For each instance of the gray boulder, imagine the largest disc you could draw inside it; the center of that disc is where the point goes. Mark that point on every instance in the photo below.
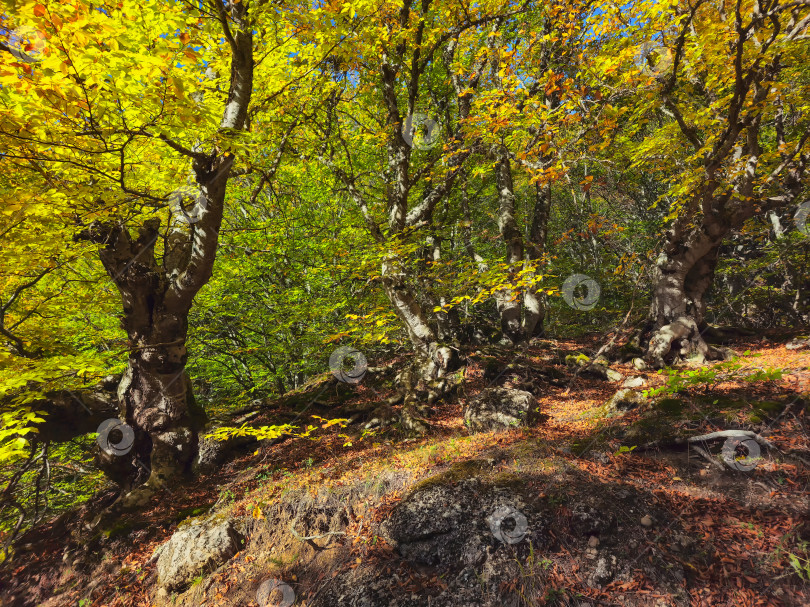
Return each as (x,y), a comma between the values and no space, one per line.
(624,400)
(500,408)
(212,453)
(798,344)
(464,529)
(197,547)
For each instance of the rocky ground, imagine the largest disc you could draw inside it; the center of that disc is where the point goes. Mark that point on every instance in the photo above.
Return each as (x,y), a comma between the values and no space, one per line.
(542,482)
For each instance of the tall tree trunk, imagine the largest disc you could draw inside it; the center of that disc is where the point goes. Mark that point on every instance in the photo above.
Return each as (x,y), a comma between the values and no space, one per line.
(534,307)
(508,300)
(400,92)
(155,394)
(448,323)
(746,167)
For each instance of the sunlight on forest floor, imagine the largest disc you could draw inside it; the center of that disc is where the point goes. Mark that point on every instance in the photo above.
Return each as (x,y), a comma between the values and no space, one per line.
(743,521)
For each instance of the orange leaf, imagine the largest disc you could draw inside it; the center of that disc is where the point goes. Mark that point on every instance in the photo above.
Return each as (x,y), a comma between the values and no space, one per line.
(40,10)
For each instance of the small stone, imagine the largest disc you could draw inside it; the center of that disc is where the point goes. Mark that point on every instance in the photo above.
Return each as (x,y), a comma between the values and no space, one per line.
(798,344)
(593,541)
(633,382)
(646,520)
(639,364)
(613,375)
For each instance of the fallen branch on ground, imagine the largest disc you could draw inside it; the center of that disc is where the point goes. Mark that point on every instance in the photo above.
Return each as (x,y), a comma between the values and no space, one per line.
(727,433)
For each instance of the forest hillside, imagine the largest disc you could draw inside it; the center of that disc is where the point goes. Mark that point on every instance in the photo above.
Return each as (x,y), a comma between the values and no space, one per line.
(362,303)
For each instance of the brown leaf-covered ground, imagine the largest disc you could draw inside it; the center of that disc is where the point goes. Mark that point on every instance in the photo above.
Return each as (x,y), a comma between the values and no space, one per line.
(740,526)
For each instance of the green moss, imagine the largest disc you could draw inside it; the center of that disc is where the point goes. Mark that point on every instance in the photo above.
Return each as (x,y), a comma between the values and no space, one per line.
(215,519)
(670,406)
(770,406)
(455,474)
(191,512)
(580,360)
(507,479)
(123,528)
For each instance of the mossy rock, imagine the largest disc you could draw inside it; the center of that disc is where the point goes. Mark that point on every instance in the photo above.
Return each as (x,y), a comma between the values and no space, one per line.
(670,406)
(580,360)
(455,474)
(123,527)
(650,430)
(214,519)
(507,480)
(191,512)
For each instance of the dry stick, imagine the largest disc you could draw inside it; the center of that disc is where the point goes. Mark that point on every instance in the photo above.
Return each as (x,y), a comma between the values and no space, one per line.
(13,535)
(313,537)
(6,498)
(707,456)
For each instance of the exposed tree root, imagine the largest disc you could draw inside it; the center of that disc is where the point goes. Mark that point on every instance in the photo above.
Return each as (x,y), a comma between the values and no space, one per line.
(423,384)
(678,340)
(729,433)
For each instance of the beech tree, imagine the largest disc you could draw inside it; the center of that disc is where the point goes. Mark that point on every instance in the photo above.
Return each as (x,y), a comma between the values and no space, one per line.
(108,114)
(418,50)
(536,115)
(720,92)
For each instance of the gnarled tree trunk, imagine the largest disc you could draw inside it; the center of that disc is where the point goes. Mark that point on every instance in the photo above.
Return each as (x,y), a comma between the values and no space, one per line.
(683,275)
(155,395)
(521,313)
(751,160)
